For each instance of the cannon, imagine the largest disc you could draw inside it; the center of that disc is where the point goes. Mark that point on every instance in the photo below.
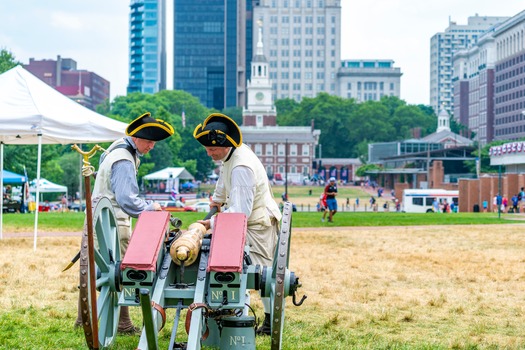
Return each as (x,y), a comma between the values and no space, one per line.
(164,268)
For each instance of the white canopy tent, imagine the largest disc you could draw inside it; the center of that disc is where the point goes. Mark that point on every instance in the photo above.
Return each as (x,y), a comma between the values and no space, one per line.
(46,186)
(32,112)
(171,175)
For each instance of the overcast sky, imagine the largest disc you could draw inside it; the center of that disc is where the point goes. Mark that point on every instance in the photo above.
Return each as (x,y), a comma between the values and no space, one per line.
(95,33)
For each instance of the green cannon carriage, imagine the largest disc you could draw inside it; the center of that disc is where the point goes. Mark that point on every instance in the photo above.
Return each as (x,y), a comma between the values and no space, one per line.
(209,275)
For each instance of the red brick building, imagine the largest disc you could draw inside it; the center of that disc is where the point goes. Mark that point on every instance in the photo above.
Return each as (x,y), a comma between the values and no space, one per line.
(84,87)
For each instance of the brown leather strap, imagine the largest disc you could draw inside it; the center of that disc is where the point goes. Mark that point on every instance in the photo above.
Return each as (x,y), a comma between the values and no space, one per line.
(195,306)
(161,311)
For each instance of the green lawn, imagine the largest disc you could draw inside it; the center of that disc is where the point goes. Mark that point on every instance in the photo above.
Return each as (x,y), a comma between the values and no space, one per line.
(72,222)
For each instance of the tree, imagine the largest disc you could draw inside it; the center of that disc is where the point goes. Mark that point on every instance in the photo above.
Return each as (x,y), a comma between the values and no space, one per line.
(363,169)
(7,61)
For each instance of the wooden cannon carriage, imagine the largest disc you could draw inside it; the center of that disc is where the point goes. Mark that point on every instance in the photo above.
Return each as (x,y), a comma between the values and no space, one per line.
(212,289)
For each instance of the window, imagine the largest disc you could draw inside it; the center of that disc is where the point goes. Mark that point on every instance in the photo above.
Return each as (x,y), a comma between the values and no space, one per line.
(305,149)
(417,201)
(269,150)
(280,150)
(258,149)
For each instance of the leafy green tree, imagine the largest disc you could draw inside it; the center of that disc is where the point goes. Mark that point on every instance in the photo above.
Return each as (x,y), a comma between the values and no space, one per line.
(7,60)
(370,122)
(284,108)
(70,163)
(235,113)
(331,115)
(406,118)
(361,171)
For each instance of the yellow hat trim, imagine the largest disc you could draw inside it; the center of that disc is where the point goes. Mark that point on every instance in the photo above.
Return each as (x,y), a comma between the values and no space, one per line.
(206,132)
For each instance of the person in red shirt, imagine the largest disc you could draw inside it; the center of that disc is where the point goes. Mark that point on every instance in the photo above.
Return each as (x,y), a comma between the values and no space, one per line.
(331,191)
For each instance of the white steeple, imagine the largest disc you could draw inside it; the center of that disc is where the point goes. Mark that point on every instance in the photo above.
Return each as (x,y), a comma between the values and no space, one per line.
(260,110)
(443,120)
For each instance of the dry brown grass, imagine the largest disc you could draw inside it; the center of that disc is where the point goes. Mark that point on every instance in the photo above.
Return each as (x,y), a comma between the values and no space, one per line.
(414,284)
(446,285)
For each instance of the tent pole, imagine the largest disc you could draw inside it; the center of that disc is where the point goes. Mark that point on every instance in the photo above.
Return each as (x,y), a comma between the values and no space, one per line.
(1,187)
(80,181)
(38,165)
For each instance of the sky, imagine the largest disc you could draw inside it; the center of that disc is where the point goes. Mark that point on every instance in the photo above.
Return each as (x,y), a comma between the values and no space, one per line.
(95,34)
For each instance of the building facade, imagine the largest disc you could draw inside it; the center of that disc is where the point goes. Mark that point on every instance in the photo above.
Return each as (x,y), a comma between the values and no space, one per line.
(210,47)
(147,46)
(473,83)
(489,83)
(84,87)
(368,80)
(509,79)
(283,150)
(303,45)
(443,46)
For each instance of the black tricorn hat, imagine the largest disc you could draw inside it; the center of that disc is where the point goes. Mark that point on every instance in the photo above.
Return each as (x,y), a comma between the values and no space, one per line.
(218,130)
(146,127)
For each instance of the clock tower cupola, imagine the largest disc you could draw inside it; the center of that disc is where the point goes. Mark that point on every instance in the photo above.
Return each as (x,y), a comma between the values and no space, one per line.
(259,110)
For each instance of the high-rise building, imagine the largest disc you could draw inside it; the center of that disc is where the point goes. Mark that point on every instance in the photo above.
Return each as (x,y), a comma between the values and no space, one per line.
(509,79)
(368,80)
(473,86)
(489,82)
(210,46)
(303,45)
(147,46)
(84,87)
(443,46)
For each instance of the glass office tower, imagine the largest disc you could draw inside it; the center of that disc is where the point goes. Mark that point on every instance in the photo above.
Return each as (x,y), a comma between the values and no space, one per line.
(147,51)
(209,45)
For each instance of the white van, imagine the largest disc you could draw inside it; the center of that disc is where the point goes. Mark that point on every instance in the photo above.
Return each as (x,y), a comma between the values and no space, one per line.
(420,201)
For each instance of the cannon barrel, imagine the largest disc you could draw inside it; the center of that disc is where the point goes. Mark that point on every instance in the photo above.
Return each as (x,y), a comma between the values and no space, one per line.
(185,249)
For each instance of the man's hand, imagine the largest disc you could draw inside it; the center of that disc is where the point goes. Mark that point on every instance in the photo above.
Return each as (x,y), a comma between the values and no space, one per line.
(205,223)
(217,205)
(156,206)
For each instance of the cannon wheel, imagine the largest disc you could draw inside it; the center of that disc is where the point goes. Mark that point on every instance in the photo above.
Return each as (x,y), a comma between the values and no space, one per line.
(107,263)
(278,292)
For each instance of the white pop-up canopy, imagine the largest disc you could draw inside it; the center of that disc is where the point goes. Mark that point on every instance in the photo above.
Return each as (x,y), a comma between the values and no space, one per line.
(32,112)
(172,176)
(46,186)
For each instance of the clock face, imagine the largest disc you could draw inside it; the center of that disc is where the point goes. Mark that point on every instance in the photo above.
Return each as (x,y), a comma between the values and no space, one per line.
(259,96)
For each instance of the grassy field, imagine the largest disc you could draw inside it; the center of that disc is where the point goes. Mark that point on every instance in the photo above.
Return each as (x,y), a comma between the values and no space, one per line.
(72,222)
(374,281)
(414,287)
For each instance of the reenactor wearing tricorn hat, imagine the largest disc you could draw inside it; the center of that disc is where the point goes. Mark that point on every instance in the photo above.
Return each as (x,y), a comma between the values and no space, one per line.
(117,180)
(242,187)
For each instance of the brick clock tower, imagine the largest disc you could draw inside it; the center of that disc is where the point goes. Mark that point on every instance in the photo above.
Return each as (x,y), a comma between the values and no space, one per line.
(283,150)
(259,110)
